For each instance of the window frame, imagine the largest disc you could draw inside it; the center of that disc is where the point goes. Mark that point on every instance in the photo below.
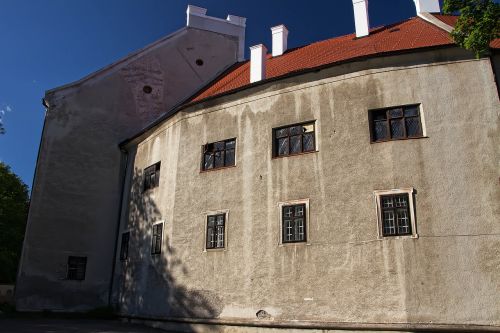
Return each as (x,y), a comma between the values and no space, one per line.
(124,254)
(411,192)
(204,151)
(69,269)
(421,117)
(206,215)
(307,216)
(154,252)
(275,146)
(147,172)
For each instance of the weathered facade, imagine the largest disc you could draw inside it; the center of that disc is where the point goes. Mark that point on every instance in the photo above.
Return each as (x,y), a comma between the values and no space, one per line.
(344,270)
(76,195)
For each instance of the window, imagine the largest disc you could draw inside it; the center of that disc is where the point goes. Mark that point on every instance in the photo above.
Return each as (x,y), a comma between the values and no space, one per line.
(293,223)
(76,268)
(294,139)
(152,176)
(124,246)
(396,123)
(395,210)
(157,238)
(216,225)
(219,154)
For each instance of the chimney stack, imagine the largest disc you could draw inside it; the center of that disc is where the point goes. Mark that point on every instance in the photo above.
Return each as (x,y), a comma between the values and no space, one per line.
(280,39)
(258,63)
(361,17)
(427,6)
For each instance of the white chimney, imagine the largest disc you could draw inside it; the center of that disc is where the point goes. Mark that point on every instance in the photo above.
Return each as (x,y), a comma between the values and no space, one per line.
(280,39)
(427,6)
(257,63)
(361,17)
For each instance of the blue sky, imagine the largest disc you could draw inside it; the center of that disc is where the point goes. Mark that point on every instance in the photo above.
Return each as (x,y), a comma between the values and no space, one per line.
(45,44)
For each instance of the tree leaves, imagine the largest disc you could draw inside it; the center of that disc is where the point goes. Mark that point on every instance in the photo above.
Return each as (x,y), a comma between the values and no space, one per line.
(14,204)
(477,26)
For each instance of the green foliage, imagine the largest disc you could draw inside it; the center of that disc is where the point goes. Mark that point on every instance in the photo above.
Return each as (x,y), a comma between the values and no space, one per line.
(14,203)
(478,24)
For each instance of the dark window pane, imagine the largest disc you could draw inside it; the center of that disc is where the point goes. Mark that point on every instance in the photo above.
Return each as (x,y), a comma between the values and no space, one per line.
(230,144)
(124,246)
(219,145)
(380,131)
(299,229)
(309,142)
(211,221)
(395,113)
(282,146)
(411,111)
(209,147)
(387,202)
(413,127)
(229,157)
(401,201)
(299,210)
(295,144)
(219,159)
(403,221)
(397,128)
(379,115)
(281,133)
(209,161)
(295,130)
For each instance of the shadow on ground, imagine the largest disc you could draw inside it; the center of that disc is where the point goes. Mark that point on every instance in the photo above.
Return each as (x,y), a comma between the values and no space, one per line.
(25,325)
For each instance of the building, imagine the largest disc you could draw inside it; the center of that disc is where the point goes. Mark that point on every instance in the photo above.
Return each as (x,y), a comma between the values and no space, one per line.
(350,184)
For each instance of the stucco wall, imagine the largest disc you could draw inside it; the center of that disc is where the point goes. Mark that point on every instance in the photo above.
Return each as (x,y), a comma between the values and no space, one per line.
(75,202)
(449,274)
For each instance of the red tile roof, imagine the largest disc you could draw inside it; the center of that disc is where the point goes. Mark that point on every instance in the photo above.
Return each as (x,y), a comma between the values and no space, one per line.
(411,34)
(451,20)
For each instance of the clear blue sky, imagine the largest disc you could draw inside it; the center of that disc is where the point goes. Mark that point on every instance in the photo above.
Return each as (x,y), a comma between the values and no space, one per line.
(45,44)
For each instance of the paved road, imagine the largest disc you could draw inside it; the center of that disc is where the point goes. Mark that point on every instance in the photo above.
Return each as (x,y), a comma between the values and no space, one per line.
(70,326)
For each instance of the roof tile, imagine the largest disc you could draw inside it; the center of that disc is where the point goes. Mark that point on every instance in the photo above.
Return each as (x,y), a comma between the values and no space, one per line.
(410,34)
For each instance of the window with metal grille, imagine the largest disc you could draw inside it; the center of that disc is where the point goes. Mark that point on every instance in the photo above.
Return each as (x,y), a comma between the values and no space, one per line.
(124,246)
(152,176)
(294,139)
(294,223)
(76,268)
(219,154)
(395,211)
(402,122)
(216,225)
(156,238)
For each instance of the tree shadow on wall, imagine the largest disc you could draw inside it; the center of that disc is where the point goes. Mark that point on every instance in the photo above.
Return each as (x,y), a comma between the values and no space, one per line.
(151,284)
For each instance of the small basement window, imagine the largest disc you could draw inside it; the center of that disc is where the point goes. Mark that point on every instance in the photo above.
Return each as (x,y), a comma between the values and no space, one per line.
(76,268)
